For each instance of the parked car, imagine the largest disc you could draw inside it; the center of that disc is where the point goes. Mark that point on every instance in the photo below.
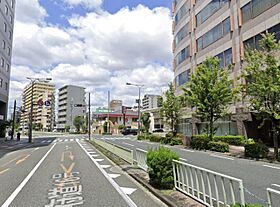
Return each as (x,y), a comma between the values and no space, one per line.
(128,131)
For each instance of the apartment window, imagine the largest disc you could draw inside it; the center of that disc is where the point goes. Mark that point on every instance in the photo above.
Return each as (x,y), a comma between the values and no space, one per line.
(5,26)
(2,62)
(6,9)
(1,82)
(12,3)
(6,86)
(181,13)
(182,78)
(181,34)
(225,58)
(3,44)
(254,42)
(256,7)
(209,10)
(9,51)
(11,19)
(7,67)
(10,35)
(214,34)
(183,55)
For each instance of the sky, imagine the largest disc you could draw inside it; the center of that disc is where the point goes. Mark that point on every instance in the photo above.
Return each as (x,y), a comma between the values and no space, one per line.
(97,44)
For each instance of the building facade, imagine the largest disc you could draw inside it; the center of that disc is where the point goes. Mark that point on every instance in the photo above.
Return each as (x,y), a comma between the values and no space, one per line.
(150,102)
(71,103)
(223,29)
(43,106)
(7,14)
(116,105)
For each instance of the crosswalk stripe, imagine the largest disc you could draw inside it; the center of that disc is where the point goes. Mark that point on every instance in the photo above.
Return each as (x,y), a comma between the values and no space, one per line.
(71,139)
(98,160)
(105,166)
(66,140)
(95,155)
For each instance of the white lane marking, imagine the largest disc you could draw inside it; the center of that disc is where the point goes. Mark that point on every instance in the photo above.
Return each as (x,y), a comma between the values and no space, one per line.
(183,159)
(98,160)
(270,166)
(128,191)
(71,139)
(222,157)
(76,139)
(128,200)
(128,144)
(276,185)
(54,141)
(23,183)
(66,140)
(60,140)
(187,150)
(105,166)
(95,155)
(92,152)
(43,141)
(114,175)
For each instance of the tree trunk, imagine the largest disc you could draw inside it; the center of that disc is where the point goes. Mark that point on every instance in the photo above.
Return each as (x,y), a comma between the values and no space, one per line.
(275,136)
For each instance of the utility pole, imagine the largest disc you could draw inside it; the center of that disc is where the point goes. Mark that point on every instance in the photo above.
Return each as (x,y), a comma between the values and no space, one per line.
(14,120)
(31,113)
(89,118)
(108,115)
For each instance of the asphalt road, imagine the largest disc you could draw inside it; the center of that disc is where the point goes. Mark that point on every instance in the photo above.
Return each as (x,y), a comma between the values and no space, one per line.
(65,171)
(256,175)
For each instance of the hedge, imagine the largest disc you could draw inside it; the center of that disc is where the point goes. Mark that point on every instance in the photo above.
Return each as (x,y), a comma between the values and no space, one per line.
(200,142)
(218,146)
(232,140)
(160,167)
(256,150)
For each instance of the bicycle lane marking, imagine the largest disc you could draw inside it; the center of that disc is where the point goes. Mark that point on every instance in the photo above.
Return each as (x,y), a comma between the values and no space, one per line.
(27,178)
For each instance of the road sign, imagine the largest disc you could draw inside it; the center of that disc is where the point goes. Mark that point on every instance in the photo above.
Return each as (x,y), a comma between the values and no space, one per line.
(47,103)
(40,102)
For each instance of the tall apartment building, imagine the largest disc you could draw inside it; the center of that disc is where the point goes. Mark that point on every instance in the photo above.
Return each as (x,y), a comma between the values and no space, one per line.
(43,106)
(221,28)
(7,14)
(116,105)
(150,101)
(71,103)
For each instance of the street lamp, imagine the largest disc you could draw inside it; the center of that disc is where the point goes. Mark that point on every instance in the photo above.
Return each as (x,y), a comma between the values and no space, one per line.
(32,81)
(139,95)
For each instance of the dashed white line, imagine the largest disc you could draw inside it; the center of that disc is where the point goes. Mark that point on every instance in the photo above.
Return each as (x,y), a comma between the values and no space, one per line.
(270,166)
(222,157)
(128,144)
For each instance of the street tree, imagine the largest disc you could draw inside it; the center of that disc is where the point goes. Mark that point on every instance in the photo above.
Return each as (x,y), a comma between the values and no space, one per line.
(171,108)
(209,92)
(145,119)
(79,121)
(262,83)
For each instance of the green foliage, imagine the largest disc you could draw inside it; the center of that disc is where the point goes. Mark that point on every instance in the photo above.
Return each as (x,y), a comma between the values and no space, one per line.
(78,122)
(256,150)
(200,142)
(171,108)
(172,140)
(145,119)
(105,128)
(278,156)
(218,146)
(232,140)
(250,141)
(261,73)
(246,205)
(3,128)
(121,127)
(160,168)
(67,128)
(209,92)
(154,138)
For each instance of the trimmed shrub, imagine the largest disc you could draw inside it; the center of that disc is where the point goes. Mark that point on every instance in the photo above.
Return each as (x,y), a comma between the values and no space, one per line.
(200,142)
(160,167)
(232,140)
(176,141)
(218,146)
(246,205)
(155,138)
(256,150)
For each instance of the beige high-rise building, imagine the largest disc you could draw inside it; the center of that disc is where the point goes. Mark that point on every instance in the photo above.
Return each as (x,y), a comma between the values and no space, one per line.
(43,106)
(221,28)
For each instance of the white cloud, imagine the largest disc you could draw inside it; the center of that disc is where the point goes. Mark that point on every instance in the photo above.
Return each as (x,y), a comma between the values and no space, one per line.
(99,51)
(30,11)
(91,4)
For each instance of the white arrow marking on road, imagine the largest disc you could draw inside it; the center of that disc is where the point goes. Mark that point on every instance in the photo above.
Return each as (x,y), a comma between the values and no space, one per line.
(128,191)
(274,167)
(222,157)
(105,166)
(114,175)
